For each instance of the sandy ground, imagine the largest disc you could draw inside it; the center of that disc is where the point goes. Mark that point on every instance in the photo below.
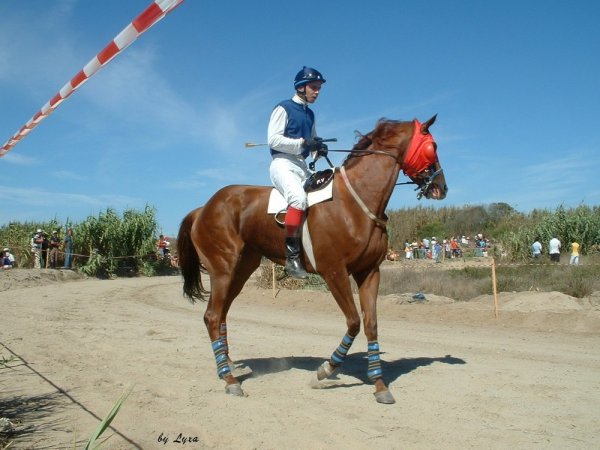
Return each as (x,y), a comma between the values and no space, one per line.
(461,378)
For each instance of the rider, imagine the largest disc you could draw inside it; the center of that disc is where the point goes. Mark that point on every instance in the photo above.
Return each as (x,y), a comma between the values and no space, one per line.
(292,137)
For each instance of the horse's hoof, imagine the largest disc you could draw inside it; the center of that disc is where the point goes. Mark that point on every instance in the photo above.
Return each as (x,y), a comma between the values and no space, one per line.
(325,370)
(234,389)
(385,397)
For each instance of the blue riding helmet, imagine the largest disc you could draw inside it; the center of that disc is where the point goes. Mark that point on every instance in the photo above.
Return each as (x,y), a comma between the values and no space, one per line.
(306,75)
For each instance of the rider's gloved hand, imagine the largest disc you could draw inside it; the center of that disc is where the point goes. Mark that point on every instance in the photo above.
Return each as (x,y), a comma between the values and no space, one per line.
(313,144)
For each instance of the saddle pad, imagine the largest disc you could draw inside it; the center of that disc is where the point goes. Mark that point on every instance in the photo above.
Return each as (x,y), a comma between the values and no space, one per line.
(277,203)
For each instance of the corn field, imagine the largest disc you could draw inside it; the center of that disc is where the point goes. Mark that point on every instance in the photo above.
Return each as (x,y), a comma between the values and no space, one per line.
(103,246)
(511,231)
(111,244)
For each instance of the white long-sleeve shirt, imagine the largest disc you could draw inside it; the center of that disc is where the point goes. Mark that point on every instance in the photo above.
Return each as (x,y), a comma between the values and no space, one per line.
(275,132)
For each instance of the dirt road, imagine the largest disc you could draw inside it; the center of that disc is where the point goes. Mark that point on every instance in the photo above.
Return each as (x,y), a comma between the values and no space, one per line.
(461,379)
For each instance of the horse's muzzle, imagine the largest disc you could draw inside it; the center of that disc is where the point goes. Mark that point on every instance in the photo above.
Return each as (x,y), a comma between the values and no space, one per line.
(436,193)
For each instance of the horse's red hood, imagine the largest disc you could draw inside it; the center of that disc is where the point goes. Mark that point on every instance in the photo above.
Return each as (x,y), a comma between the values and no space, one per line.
(421,153)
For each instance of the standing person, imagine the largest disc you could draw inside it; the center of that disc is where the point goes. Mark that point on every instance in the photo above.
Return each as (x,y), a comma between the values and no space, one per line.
(68,248)
(161,245)
(437,250)
(408,251)
(292,138)
(36,248)
(536,249)
(53,245)
(574,254)
(554,249)
(424,250)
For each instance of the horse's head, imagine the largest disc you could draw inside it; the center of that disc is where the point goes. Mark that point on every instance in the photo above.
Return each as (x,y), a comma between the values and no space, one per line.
(413,148)
(421,163)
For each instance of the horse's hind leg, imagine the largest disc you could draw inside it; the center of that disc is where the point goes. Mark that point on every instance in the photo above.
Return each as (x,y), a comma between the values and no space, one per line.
(225,287)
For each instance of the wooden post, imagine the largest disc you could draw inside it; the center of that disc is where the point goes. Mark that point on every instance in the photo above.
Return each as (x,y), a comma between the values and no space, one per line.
(274,278)
(494,287)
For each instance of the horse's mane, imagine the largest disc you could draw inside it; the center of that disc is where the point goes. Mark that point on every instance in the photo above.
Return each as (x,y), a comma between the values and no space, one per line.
(384,130)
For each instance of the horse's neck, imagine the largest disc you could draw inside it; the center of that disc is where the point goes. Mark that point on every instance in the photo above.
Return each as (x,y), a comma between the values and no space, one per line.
(374,181)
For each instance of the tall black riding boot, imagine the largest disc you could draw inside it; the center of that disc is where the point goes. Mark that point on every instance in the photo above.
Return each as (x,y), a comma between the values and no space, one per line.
(293,265)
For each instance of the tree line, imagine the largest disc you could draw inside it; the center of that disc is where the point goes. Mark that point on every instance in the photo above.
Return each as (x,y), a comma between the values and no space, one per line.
(111,243)
(509,229)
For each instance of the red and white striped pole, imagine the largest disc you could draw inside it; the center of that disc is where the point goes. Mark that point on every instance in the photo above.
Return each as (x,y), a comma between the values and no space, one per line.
(156,11)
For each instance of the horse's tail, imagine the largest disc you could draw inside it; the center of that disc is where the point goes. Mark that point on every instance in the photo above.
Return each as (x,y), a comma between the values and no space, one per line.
(189,261)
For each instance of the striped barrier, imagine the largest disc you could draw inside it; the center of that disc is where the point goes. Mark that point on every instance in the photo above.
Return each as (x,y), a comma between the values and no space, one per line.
(150,16)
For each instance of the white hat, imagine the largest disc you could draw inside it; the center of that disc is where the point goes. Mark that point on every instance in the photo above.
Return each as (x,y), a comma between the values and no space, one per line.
(6,249)
(39,230)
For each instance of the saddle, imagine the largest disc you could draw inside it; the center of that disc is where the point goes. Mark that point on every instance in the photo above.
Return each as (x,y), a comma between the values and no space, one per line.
(319,187)
(318,180)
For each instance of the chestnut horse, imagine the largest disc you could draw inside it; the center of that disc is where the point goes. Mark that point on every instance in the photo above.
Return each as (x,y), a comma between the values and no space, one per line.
(229,235)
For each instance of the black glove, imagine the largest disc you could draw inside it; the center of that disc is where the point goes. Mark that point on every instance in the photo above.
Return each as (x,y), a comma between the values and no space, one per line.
(313,144)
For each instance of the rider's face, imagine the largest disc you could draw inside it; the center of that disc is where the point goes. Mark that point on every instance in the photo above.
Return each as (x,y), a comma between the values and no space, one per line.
(312,90)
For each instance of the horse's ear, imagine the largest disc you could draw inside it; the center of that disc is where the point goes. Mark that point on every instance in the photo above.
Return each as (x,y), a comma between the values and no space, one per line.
(425,126)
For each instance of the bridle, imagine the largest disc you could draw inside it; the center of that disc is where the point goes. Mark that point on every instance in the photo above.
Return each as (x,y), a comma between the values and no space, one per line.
(419,161)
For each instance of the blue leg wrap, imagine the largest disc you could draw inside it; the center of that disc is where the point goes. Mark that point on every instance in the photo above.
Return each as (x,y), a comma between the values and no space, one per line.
(220,351)
(374,369)
(339,355)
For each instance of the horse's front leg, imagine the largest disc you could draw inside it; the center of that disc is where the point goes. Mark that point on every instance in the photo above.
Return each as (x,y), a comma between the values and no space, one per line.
(368,288)
(342,292)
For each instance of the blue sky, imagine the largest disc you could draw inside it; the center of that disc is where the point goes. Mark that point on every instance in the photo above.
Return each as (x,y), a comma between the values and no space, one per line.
(515,84)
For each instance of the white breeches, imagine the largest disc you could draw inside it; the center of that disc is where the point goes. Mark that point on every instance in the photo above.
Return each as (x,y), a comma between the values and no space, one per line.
(288,174)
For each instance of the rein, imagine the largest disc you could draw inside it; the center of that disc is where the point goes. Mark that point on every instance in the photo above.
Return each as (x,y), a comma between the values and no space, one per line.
(423,188)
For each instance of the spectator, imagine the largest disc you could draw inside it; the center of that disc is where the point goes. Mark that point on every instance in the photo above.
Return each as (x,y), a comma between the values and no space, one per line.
(44,250)
(536,249)
(53,245)
(425,243)
(37,240)
(455,248)
(415,248)
(68,248)
(479,245)
(433,246)
(161,244)
(574,254)
(437,251)
(7,261)
(554,249)
(408,251)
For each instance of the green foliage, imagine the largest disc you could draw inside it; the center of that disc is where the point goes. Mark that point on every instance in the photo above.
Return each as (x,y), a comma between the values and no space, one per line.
(93,443)
(104,246)
(514,232)
(580,224)
(117,245)
(445,222)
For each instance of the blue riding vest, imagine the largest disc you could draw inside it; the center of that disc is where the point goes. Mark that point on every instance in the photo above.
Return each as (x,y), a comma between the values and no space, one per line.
(300,121)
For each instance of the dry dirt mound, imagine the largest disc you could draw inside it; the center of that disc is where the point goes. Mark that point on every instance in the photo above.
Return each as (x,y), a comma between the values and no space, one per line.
(24,278)
(535,301)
